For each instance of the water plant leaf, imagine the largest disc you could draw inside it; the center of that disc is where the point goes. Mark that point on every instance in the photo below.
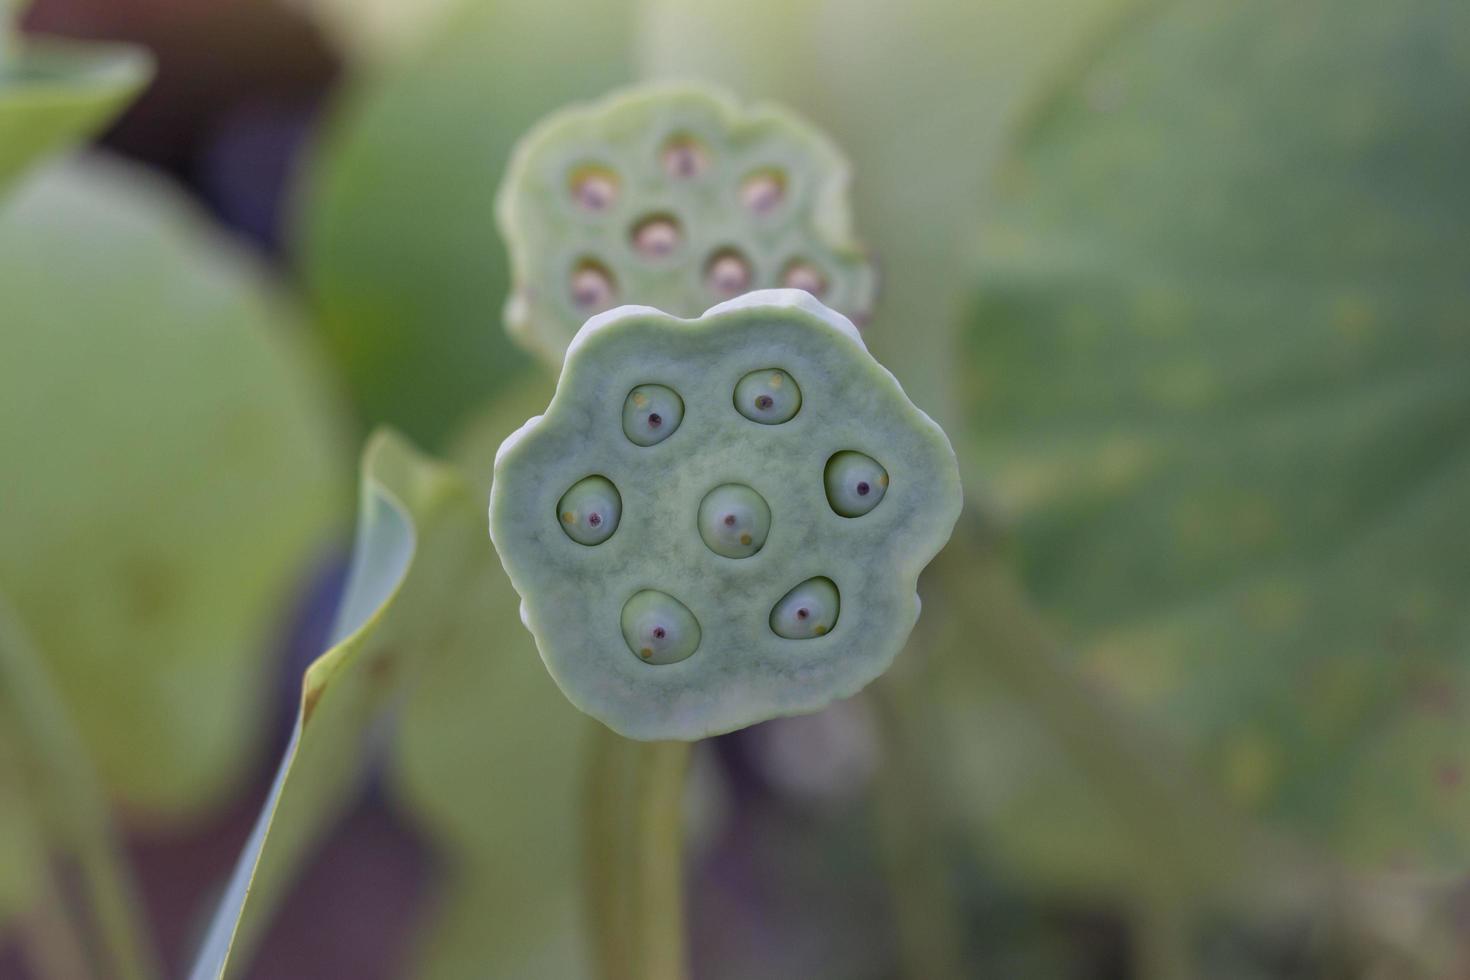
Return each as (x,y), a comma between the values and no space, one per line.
(171,466)
(409,509)
(54,93)
(1217,372)
(398,247)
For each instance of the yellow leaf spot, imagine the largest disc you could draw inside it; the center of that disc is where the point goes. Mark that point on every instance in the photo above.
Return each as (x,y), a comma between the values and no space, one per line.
(645,653)
(568,517)
(819,630)
(745,539)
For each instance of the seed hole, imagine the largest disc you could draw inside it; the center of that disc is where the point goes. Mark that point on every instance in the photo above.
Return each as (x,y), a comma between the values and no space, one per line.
(592,286)
(590,510)
(656,236)
(727,273)
(769,396)
(763,191)
(801,274)
(855,483)
(734,520)
(594,188)
(807,611)
(658,628)
(651,413)
(684,157)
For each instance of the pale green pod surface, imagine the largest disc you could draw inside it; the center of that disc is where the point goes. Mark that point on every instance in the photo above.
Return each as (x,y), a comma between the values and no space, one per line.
(722,661)
(678,198)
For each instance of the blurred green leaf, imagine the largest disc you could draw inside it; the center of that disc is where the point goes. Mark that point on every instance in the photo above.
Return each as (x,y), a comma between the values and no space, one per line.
(399,246)
(170,468)
(1218,374)
(920,96)
(54,93)
(54,811)
(411,508)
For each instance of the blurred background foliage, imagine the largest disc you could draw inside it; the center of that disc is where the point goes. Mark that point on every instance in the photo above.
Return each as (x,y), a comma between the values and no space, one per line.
(1186,280)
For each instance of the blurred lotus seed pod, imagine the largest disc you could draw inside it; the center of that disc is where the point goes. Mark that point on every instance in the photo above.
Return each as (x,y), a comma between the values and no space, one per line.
(748,576)
(677,198)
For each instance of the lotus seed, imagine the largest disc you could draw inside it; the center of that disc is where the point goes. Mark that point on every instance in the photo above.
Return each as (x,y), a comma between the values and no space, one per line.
(658,628)
(657,236)
(768,396)
(734,520)
(592,287)
(590,510)
(855,483)
(804,275)
(727,273)
(763,192)
(651,413)
(684,157)
(595,188)
(807,611)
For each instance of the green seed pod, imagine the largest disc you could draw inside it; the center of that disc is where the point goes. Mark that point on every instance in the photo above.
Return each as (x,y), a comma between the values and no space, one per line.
(677,197)
(651,413)
(807,611)
(745,652)
(659,628)
(590,511)
(855,483)
(734,521)
(768,396)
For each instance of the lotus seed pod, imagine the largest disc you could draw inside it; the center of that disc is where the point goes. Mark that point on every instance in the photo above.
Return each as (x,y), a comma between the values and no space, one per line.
(677,197)
(807,611)
(768,396)
(651,413)
(734,521)
(751,628)
(855,483)
(590,511)
(659,628)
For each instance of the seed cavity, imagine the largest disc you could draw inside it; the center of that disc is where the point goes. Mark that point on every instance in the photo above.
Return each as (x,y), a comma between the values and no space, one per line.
(727,274)
(656,236)
(769,396)
(684,157)
(594,188)
(651,413)
(800,274)
(589,512)
(763,191)
(734,520)
(658,628)
(592,286)
(807,611)
(855,483)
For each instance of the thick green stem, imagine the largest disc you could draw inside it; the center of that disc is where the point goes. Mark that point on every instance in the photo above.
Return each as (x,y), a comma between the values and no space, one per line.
(635,857)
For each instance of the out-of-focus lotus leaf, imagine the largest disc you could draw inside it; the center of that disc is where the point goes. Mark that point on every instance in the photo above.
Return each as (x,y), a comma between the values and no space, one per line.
(170,465)
(400,251)
(53,93)
(1218,374)
(919,96)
